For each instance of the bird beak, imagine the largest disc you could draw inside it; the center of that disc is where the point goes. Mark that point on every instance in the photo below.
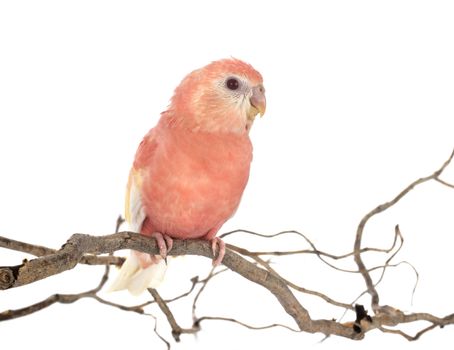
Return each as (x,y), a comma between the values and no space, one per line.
(258,101)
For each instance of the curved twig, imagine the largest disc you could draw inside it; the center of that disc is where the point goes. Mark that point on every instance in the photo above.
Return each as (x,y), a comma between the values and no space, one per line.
(381,208)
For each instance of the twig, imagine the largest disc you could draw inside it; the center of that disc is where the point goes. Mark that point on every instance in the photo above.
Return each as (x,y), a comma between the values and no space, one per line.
(444,182)
(59,298)
(289,283)
(55,298)
(197,296)
(320,254)
(314,250)
(165,309)
(381,208)
(407,336)
(228,319)
(155,329)
(176,329)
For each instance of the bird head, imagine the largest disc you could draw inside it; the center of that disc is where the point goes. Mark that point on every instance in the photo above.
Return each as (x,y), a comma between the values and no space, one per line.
(223,96)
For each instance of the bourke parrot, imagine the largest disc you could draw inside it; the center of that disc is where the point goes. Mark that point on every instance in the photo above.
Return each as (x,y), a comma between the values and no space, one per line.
(190,170)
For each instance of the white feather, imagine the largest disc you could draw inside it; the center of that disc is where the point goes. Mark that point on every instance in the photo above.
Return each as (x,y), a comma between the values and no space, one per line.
(129,268)
(135,279)
(151,277)
(131,275)
(136,212)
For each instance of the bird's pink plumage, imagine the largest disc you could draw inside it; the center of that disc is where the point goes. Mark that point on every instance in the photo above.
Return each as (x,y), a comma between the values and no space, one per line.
(194,165)
(192,182)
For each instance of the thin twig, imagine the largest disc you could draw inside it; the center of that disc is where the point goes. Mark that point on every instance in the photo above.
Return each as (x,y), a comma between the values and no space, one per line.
(405,335)
(444,182)
(314,250)
(155,329)
(289,283)
(320,254)
(197,296)
(55,298)
(381,208)
(176,329)
(228,319)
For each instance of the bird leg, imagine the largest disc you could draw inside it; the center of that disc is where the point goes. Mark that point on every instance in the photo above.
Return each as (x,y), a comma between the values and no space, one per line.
(165,244)
(216,243)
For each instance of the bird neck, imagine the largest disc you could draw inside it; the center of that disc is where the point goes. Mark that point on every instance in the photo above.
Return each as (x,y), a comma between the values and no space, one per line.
(218,124)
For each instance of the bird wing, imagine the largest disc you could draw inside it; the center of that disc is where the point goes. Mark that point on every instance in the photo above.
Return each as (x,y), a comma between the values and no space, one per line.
(131,275)
(134,211)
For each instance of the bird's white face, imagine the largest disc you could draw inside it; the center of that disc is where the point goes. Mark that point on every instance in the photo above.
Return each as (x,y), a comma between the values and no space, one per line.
(236,99)
(239,93)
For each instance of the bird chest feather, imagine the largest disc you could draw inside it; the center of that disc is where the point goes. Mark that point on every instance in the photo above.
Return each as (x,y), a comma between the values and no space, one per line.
(194,181)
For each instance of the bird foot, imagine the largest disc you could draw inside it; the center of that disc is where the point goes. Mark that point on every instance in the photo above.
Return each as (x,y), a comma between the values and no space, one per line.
(165,244)
(216,243)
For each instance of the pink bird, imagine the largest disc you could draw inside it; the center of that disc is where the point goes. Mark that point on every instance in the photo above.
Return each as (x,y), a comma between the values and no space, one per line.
(191,169)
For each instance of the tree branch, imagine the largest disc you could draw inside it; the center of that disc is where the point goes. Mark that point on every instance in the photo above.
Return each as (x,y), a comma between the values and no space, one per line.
(83,248)
(78,245)
(381,208)
(176,329)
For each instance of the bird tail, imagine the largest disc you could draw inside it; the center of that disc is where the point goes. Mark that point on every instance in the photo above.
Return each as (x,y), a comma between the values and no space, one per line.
(136,279)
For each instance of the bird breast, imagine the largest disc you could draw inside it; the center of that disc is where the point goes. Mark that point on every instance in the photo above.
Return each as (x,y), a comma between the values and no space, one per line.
(194,181)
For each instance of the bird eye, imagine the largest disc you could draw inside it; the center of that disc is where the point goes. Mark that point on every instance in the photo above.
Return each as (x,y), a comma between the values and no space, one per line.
(232,84)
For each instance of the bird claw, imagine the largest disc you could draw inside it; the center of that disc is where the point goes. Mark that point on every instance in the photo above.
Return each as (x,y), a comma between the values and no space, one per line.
(216,243)
(165,244)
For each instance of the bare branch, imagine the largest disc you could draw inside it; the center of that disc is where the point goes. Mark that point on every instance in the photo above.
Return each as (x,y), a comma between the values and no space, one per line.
(289,283)
(314,250)
(444,182)
(82,248)
(405,335)
(79,244)
(381,208)
(55,298)
(320,254)
(197,296)
(38,250)
(274,325)
(155,329)
(176,329)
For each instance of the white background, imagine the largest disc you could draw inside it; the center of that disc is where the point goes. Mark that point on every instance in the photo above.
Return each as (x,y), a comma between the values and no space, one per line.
(360,103)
